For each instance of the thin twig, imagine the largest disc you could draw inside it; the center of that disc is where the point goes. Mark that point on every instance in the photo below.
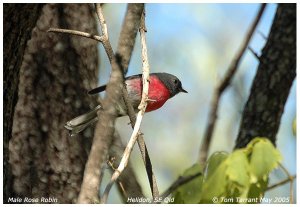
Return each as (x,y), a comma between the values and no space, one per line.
(291,181)
(141,142)
(78,33)
(127,182)
(262,35)
(142,108)
(179,182)
(110,162)
(254,53)
(287,180)
(221,88)
(145,65)
(142,146)
(106,44)
(100,16)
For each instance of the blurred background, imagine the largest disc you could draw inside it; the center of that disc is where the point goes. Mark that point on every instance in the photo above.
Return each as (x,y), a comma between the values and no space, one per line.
(196,42)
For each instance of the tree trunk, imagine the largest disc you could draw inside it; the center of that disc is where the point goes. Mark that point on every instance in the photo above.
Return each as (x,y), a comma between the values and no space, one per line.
(18,21)
(273,80)
(56,72)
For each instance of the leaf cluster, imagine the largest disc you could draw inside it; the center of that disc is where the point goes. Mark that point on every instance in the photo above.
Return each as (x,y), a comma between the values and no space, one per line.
(239,177)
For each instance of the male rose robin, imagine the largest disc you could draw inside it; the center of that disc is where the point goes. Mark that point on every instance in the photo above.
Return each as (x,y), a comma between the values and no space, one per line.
(162,86)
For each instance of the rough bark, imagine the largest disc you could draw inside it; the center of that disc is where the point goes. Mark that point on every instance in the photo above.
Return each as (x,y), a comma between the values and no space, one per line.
(56,72)
(274,78)
(18,22)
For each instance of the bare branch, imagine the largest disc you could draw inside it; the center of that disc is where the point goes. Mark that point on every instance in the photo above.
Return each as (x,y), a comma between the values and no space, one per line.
(221,88)
(291,179)
(128,34)
(148,165)
(101,20)
(103,133)
(106,44)
(127,181)
(88,194)
(287,180)
(125,47)
(179,182)
(262,35)
(142,107)
(146,68)
(254,53)
(78,33)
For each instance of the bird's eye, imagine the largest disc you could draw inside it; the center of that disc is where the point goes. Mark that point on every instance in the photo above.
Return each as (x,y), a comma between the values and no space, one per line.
(175,81)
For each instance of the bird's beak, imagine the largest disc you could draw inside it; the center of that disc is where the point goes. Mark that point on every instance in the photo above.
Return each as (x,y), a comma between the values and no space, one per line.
(182,90)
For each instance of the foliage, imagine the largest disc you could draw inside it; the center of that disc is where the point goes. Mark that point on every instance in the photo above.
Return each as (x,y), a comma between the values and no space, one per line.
(186,193)
(238,177)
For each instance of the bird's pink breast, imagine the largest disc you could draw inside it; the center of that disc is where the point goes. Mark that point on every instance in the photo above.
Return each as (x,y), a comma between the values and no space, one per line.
(158,94)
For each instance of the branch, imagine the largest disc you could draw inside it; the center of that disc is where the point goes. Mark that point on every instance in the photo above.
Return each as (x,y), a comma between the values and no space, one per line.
(123,55)
(142,107)
(291,179)
(127,182)
(221,88)
(78,33)
(100,16)
(105,41)
(262,35)
(106,44)
(104,131)
(287,180)
(128,34)
(254,53)
(271,86)
(142,146)
(179,182)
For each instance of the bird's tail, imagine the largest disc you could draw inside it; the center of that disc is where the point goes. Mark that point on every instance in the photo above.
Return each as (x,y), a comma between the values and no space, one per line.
(81,122)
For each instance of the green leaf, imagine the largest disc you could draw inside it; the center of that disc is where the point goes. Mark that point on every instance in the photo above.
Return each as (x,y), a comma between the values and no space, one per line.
(231,178)
(238,174)
(215,186)
(257,190)
(242,174)
(213,163)
(191,191)
(178,198)
(264,158)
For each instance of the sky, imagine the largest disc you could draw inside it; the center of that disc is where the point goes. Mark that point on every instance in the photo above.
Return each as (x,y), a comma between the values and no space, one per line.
(196,42)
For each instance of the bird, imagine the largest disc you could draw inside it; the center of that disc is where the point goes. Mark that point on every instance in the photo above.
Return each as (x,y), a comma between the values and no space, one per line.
(162,87)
